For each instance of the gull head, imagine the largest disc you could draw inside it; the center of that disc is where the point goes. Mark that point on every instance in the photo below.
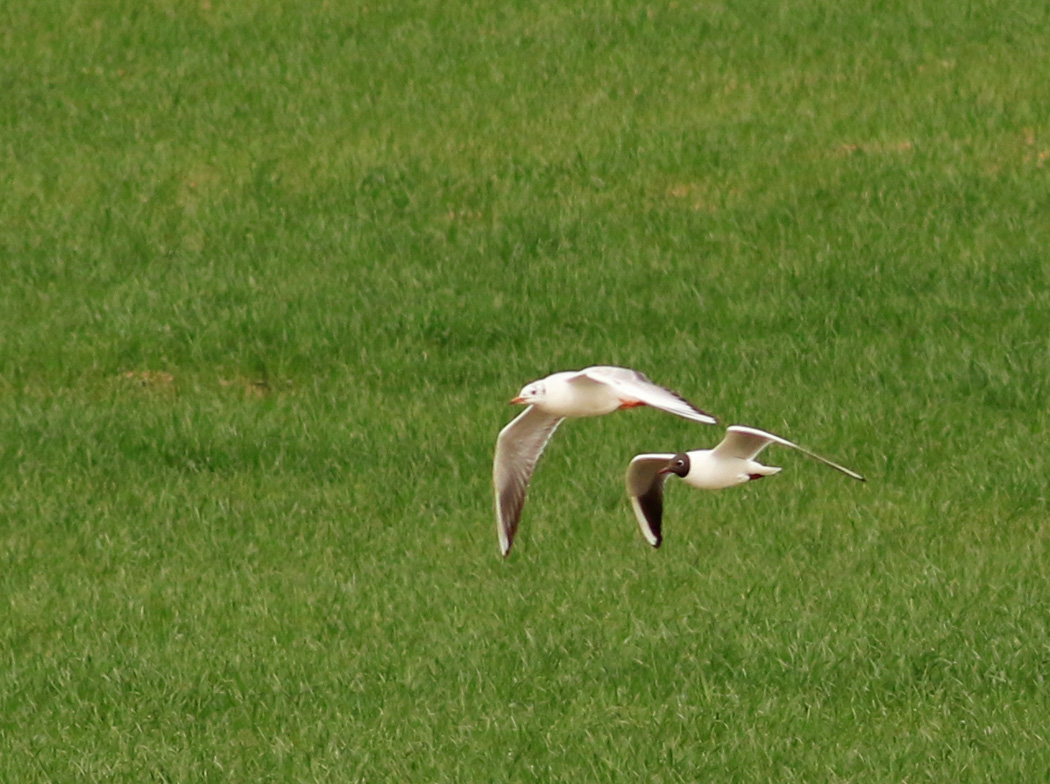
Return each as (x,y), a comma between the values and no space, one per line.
(531,394)
(678,465)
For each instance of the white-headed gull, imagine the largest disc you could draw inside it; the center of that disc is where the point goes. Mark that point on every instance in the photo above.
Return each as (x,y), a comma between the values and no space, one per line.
(730,463)
(589,392)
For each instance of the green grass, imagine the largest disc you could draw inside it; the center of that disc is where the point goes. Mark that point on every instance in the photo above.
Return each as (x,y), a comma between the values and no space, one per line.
(271,269)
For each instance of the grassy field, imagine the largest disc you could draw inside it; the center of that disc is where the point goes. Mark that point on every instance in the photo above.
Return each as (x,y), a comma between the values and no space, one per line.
(270,271)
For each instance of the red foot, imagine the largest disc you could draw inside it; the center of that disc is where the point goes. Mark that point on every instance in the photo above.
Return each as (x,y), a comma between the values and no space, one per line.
(631,403)
(755,476)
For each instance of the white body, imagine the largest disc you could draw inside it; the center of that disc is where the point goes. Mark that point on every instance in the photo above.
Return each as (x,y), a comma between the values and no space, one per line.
(600,390)
(563,395)
(710,470)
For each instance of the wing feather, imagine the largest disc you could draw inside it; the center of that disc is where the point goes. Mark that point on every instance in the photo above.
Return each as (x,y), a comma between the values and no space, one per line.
(518,448)
(645,487)
(637,386)
(746,442)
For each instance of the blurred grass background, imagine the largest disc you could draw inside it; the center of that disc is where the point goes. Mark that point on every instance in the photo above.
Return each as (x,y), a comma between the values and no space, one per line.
(271,269)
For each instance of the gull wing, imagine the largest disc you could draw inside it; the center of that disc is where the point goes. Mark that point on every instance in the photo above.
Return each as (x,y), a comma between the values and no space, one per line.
(645,487)
(518,448)
(635,386)
(746,442)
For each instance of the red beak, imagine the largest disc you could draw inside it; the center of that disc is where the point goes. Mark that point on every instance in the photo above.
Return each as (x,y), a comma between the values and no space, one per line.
(516,401)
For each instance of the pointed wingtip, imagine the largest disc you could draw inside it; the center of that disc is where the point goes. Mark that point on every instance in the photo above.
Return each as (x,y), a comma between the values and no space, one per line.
(707,418)
(850,473)
(704,418)
(504,544)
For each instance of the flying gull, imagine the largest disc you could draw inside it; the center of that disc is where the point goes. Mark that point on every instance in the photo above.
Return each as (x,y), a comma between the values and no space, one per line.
(730,463)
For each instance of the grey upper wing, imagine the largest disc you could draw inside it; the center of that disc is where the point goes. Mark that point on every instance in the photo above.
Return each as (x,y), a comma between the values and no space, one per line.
(637,386)
(518,448)
(645,487)
(747,442)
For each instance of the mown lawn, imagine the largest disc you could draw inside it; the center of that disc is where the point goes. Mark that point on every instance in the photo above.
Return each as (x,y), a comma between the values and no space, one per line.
(270,271)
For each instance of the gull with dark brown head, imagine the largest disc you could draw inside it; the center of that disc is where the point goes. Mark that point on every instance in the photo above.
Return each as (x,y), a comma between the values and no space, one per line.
(730,463)
(593,391)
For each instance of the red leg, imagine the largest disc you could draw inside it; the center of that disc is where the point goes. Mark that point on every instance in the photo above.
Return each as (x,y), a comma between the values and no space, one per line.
(631,403)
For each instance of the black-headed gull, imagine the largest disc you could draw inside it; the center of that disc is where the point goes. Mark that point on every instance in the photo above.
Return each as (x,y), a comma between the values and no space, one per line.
(589,392)
(730,463)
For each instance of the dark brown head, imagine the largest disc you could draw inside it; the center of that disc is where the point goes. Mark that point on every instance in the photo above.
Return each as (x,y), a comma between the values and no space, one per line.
(679,464)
